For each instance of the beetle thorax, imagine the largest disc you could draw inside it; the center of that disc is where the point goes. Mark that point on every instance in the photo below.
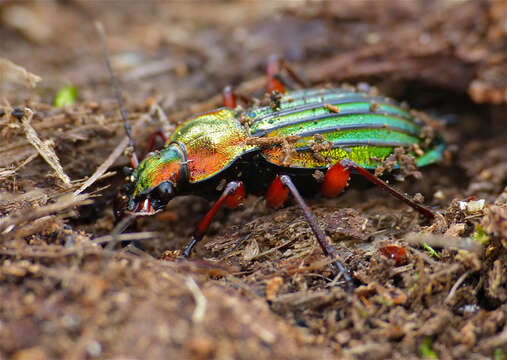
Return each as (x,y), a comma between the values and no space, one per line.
(212,141)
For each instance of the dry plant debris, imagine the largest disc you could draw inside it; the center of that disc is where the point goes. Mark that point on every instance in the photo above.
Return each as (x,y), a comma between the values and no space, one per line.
(259,287)
(12,73)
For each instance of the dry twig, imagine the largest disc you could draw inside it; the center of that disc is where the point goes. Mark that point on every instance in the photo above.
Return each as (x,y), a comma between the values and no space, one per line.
(43,148)
(200,300)
(115,154)
(64,203)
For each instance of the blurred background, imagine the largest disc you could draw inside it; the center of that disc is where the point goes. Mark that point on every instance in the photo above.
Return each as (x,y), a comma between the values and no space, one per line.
(453,45)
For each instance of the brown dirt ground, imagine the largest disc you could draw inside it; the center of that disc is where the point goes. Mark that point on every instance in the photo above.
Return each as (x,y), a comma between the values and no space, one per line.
(274,297)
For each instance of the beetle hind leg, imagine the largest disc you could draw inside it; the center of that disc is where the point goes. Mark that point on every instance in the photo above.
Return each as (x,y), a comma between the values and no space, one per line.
(350,165)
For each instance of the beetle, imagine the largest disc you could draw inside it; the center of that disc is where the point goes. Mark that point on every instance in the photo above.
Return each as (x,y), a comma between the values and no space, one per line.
(307,140)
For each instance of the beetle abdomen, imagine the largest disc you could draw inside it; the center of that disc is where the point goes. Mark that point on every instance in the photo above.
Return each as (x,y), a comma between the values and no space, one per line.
(333,124)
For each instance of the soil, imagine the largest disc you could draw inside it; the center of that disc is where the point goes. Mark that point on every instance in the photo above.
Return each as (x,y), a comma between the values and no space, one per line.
(258,287)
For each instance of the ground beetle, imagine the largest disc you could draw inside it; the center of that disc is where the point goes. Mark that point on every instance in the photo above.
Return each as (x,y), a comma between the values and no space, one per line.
(308,139)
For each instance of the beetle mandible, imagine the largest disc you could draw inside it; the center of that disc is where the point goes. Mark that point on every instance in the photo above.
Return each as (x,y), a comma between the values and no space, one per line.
(277,149)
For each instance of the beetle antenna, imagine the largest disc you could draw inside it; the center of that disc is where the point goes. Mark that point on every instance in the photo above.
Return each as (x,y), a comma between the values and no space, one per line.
(133,160)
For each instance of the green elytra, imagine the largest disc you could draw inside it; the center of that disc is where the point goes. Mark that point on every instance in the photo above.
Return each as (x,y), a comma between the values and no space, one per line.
(331,125)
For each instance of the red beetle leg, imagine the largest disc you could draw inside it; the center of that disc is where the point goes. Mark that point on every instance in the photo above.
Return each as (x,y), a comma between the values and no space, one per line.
(335,181)
(134,161)
(236,198)
(277,193)
(229,97)
(273,70)
(350,165)
(233,193)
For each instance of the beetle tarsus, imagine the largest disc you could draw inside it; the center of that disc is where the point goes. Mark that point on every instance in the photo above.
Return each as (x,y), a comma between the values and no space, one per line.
(188,249)
(325,244)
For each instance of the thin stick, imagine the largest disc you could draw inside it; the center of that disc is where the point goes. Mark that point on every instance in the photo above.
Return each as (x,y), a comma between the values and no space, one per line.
(199,298)
(125,237)
(44,150)
(293,74)
(9,172)
(118,229)
(455,287)
(63,203)
(115,154)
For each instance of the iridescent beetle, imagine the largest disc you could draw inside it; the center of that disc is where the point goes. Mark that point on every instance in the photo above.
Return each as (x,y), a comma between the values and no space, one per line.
(277,149)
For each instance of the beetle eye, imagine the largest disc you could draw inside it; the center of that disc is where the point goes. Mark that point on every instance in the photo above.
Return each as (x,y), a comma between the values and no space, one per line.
(161,195)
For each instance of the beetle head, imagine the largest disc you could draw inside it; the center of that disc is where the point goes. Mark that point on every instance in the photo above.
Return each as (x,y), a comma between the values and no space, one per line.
(157,179)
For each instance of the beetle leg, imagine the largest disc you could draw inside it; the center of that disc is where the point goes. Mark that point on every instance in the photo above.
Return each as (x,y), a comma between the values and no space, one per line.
(293,74)
(349,164)
(153,137)
(232,196)
(134,161)
(335,181)
(325,244)
(273,72)
(277,193)
(229,97)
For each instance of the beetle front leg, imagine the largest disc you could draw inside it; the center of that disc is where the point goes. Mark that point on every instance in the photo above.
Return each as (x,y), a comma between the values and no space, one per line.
(276,195)
(232,196)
